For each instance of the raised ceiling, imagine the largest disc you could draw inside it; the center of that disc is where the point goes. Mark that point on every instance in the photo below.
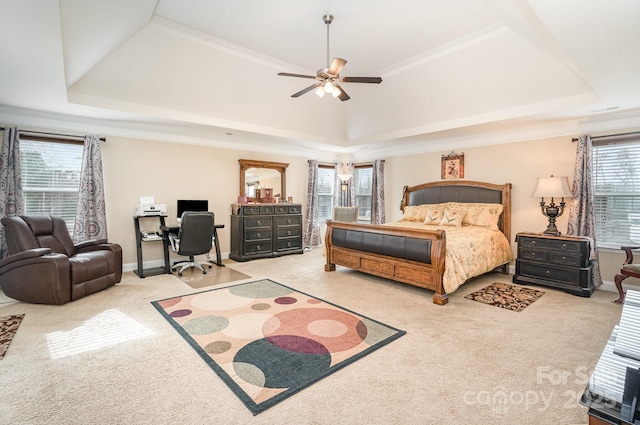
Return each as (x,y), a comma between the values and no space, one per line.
(455,73)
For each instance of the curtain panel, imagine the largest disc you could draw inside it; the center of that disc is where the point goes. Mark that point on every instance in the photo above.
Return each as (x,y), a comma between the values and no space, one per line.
(91,215)
(581,212)
(377,192)
(311,234)
(11,194)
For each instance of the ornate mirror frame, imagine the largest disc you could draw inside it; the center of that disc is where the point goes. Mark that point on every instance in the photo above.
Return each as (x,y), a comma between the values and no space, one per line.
(281,167)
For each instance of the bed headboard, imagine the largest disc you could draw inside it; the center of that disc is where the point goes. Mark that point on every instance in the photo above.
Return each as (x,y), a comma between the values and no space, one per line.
(462,191)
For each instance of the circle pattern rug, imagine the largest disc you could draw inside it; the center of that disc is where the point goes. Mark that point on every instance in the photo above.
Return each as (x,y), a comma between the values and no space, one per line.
(268,341)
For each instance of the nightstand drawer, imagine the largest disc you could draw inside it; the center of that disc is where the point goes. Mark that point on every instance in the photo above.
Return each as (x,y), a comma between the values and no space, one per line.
(551,257)
(558,274)
(545,244)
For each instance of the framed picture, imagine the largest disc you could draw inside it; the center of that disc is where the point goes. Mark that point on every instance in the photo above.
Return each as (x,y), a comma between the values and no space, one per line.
(452,166)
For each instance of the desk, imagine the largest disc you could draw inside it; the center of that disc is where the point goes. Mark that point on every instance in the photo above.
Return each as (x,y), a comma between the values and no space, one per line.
(174,228)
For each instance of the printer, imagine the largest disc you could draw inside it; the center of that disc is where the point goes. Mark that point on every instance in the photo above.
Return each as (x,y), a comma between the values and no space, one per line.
(148,206)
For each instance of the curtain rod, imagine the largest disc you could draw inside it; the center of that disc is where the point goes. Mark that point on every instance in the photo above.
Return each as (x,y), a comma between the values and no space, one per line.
(633,133)
(42,133)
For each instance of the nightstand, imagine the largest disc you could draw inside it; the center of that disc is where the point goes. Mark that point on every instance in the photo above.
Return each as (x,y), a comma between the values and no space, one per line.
(560,262)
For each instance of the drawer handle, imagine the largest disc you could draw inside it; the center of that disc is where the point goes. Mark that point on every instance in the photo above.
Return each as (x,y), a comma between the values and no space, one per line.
(259,223)
(258,235)
(533,243)
(288,244)
(564,246)
(258,247)
(547,273)
(564,259)
(288,232)
(533,255)
(288,221)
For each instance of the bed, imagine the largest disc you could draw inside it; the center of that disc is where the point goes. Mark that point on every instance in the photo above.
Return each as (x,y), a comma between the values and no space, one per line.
(450,232)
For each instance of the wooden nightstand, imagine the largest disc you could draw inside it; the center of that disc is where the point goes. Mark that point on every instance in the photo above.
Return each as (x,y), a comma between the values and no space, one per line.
(556,261)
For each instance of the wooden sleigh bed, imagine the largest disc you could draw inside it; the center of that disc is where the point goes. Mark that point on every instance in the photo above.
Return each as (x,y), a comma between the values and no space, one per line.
(411,252)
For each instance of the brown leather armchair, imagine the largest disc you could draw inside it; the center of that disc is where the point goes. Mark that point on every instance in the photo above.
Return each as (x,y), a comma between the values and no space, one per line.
(44,266)
(628,270)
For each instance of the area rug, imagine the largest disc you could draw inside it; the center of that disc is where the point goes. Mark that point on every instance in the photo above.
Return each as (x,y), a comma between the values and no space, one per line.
(503,295)
(8,328)
(268,341)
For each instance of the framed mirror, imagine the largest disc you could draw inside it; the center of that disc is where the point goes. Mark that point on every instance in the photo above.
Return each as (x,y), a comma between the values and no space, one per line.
(263,174)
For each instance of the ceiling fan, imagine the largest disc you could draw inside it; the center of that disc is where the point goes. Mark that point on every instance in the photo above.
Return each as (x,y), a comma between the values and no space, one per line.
(329,77)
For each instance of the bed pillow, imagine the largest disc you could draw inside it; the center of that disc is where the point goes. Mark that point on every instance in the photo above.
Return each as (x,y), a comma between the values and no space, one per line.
(433,216)
(452,218)
(480,214)
(415,213)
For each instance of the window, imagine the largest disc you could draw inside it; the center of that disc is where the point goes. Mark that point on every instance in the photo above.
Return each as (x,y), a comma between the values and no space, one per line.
(51,178)
(616,173)
(363,188)
(326,187)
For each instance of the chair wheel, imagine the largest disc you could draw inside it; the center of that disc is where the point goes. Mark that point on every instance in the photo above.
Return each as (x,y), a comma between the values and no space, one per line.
(204,272)
(179,273)
(209,265)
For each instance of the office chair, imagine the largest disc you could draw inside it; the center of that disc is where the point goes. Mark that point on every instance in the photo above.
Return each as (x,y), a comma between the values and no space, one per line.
(195,237)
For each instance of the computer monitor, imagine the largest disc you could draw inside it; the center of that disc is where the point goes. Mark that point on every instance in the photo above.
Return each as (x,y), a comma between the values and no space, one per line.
(192,205)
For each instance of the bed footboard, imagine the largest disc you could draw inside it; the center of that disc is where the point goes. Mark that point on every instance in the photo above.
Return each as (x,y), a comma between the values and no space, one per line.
(412,257)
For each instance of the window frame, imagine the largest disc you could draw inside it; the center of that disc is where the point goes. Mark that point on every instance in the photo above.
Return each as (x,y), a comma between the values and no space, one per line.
(361,198)
(329,169)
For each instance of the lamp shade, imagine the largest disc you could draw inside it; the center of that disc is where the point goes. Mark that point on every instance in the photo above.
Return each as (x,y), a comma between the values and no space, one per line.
(552,187)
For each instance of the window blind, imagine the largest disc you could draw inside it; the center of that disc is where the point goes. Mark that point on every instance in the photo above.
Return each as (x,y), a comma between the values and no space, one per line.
(616,173)
(326,183)
(363,187)
(50,178)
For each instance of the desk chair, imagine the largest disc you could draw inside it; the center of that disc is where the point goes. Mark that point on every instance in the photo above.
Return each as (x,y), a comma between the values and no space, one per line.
(195,237)
(348,214)
(629,269)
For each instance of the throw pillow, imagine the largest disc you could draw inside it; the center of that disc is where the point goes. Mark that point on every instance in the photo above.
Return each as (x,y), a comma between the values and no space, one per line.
(452,218)
(480,214)
(433,216)
(414,213)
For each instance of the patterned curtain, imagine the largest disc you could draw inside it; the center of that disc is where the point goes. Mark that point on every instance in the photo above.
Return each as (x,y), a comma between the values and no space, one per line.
(91,215)
(11,195)
(311,236)
(351,189)
(377,189)
(581,211)
(337,184)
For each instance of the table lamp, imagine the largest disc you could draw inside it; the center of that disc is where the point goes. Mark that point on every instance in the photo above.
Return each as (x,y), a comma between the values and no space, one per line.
(552,187)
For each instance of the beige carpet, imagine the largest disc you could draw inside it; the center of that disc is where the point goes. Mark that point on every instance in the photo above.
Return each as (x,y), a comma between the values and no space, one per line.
(111,358)
(215,276)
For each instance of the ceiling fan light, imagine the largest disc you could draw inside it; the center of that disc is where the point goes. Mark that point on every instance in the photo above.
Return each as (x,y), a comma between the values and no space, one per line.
(320,91)
(336,92)
(328,87)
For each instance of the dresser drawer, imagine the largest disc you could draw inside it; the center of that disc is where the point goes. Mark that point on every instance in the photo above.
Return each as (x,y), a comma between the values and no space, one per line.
(545,244)
(552,257)
(267,209)
(257,222)
(257,247)
(289,220)
(295,209)
(293,243)
(281,209)
(251,210)
(287,232)
(257,235)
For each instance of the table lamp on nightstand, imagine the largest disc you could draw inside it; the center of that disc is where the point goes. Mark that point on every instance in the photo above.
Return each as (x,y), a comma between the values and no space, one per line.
(552,187)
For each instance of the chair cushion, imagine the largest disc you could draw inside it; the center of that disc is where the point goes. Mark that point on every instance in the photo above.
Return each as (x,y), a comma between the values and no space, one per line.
(632,268)
(91,265)
(51,232)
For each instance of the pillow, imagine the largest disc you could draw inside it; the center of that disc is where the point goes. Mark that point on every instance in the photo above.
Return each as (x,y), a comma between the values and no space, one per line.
(433,216)
(485,215)
(452,218)
(415,213)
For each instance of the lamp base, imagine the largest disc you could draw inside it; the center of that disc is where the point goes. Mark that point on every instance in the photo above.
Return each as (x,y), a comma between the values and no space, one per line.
(552,231)
(551,211)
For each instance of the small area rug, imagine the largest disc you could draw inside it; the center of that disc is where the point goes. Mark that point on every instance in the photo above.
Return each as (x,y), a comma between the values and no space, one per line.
(510,297)
(8,328)
(268,341)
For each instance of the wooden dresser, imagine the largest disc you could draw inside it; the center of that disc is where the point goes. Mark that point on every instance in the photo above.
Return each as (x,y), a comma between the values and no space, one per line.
(556,261)
(265,230)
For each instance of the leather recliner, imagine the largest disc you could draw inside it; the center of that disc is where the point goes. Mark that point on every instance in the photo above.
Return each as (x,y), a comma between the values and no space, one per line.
(44,266)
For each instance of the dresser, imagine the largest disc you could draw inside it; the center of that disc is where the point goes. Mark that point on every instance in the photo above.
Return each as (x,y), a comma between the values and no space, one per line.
(265,230)
(560,262)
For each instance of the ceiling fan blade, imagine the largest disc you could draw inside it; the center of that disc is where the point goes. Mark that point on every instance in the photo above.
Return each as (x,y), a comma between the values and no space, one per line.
(343,94)
(286,74)
(306,90)
(336,66)
(374,80)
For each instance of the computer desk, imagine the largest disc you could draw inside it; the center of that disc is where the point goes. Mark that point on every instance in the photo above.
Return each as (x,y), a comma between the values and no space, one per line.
(174,228)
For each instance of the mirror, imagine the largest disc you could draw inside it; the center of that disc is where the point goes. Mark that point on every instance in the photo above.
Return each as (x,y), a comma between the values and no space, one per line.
(262,174)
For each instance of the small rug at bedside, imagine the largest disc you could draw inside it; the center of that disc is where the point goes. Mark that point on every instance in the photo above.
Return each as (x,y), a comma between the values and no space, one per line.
(8,328)
(267,341)
(510,297)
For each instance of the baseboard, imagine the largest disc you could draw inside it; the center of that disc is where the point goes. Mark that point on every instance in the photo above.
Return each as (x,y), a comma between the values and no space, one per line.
(129,267)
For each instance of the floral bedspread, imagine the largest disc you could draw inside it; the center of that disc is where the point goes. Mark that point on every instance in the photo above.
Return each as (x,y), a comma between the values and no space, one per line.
(471,251)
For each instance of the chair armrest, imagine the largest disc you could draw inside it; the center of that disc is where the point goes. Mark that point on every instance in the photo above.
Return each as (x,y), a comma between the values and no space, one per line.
(628,251)
(30,253)
(174,241)
(92,242)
